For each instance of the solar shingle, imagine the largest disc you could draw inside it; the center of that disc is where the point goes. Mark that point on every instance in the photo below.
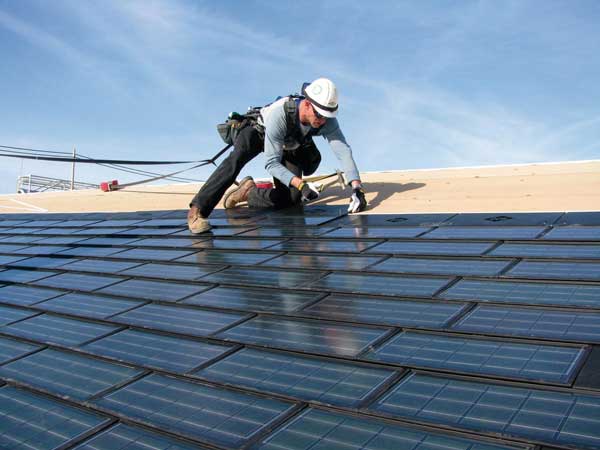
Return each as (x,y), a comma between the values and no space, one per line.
(33,421)
(66,374)
(552,417)
(550,363)
(300,329)
(205,413)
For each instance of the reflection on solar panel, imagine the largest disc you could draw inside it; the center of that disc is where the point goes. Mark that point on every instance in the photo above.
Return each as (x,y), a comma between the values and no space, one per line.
(12,349)
(124,437)
(316,429)
(215,231)
(525,293)
(153,290)
(484,233)
(152,254)
(549,363)
(155,350)
(195,322)
(566,325)
(480,267)
(298,221)
(432,248)
(581,251)
(381,284)
(311,261)
(209,414)
(263,277)
(25,295)
(557,418)
(228,257)
(386,311)
(559,270)
(58,330)
(308,336)
(324,246)
(168,242)
(67,374)
(237,244)
(92,306)
(377,232)
(252,299)
(322,380)
(574,234)
(33,421)
(149,231)
(284,232)
(172,271)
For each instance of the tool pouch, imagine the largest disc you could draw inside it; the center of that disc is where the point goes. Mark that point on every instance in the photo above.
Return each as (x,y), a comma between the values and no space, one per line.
(230,129)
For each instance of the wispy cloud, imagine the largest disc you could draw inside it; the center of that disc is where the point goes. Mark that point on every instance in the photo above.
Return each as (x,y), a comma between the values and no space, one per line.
(40,38)
(421,86)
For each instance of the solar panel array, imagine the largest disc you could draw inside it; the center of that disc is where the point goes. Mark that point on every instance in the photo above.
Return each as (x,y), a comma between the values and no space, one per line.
(300,329)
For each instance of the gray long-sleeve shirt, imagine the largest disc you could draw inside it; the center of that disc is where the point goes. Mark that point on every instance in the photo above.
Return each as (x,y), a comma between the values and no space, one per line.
(273,119)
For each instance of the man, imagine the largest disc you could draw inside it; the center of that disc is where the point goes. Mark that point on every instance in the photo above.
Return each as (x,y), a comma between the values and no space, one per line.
(284,131)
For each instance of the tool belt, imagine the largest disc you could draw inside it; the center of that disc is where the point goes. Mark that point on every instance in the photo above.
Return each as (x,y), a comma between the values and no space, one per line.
(235,122)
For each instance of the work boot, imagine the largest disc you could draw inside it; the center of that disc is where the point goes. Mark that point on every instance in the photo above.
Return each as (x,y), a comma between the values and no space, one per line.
(196,223)
(239,194)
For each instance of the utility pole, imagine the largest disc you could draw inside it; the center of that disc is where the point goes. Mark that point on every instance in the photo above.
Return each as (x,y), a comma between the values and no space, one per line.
(73,171)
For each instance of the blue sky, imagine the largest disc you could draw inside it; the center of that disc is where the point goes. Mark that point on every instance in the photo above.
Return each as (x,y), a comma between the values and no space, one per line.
(422,84)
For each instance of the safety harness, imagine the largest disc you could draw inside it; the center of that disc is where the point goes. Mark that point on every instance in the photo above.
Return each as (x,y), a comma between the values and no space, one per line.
(293,137)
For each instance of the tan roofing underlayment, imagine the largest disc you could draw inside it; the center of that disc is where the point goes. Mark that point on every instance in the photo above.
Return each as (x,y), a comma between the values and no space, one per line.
(561,186)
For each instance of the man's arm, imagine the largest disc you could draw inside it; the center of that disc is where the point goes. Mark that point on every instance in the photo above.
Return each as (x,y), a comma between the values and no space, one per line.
(332,132)
(275,131)
(342,151)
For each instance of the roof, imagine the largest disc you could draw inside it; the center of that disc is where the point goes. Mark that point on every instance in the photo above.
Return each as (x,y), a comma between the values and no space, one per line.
(561,186)
(300,329)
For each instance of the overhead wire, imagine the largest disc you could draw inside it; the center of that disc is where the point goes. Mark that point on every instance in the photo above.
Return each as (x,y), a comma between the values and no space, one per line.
(139,171)
(21,149)
(37,154)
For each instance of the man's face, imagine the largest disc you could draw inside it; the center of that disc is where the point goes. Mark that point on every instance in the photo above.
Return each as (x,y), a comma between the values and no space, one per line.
(315,119)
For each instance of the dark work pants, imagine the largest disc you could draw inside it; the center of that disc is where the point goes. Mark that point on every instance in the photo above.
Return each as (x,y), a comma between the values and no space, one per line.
(248,144)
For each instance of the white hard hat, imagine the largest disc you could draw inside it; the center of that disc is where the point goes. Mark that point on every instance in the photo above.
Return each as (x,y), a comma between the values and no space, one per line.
(322,94)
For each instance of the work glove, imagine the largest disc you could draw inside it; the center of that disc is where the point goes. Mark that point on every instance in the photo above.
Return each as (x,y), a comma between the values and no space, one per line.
(308,191)
(358,202)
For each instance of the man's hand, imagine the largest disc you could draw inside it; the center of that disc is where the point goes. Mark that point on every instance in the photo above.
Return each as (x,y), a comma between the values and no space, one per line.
(358,202)
(309,193)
